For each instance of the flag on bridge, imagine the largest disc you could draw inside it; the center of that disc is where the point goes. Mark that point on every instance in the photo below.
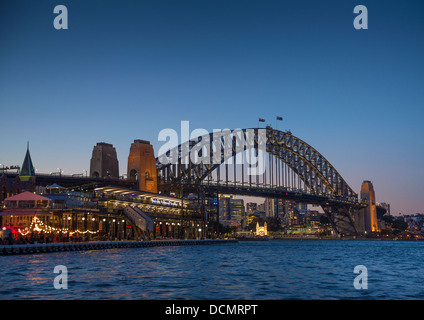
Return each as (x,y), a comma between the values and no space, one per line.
(279,118)
(261,120)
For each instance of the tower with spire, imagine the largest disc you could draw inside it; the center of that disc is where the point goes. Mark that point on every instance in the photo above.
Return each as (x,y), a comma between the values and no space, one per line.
(27,170)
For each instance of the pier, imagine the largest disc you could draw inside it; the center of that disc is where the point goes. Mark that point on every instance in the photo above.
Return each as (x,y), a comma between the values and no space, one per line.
(16,249)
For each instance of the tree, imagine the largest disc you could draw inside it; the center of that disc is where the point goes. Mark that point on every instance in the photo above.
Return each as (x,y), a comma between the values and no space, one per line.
(324,220)
(388,220)
(252,222)
(399,224)
(380,212)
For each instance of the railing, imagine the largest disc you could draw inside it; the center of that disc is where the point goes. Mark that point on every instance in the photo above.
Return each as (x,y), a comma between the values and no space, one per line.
(106,197)
(139,218)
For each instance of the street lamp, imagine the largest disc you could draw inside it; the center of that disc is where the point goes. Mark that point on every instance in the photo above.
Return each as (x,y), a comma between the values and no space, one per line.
(60,171)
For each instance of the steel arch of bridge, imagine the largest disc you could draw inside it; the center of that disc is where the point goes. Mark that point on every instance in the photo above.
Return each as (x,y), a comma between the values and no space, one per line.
(316,172)
(311,166)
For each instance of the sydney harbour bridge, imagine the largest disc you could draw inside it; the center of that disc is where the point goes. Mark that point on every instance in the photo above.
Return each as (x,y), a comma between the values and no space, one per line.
(283,167)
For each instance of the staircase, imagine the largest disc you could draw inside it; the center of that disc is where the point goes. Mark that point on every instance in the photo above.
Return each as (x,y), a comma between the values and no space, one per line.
(141,220)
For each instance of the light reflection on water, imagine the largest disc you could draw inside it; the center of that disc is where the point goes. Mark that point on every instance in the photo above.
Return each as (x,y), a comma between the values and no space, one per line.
(285,269)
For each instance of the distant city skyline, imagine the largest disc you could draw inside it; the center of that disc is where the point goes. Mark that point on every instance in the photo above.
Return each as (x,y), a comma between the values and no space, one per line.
(127,70)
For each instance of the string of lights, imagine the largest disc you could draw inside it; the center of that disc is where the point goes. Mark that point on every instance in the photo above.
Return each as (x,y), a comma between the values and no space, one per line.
(38,226)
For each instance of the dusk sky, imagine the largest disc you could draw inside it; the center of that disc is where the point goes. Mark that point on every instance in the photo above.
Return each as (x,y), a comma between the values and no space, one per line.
(125,70)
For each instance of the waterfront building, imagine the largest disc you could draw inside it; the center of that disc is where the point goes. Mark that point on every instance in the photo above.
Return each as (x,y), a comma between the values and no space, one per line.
(312,222)
(261,231)
(102,212)
(40,212)
(9,186)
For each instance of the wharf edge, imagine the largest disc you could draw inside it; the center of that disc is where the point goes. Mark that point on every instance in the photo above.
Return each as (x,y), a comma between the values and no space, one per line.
(16,249)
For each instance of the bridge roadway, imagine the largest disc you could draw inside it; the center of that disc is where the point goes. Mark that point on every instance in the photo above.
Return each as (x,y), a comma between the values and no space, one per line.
(265,192)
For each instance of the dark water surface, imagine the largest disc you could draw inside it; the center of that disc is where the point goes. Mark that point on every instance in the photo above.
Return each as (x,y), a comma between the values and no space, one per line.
(276,269)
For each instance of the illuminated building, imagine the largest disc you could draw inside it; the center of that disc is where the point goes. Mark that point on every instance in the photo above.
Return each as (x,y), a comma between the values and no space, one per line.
(261,231)
(231,211)
(237,209)
(142,166)
(224,207)
(370,222)
(106,212)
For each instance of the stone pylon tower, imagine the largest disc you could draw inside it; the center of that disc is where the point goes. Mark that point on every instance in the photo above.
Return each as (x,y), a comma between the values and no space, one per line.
(370,212)
(142,166)
(104,161)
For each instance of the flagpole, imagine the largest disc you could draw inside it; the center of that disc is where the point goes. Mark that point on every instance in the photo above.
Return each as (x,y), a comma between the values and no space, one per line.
(276,121)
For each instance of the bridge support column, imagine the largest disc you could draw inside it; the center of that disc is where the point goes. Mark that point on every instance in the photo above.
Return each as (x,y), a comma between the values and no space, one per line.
(359,219)
(342,221)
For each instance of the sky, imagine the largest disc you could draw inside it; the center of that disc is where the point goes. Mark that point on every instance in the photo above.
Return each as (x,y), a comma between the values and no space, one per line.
(125,70)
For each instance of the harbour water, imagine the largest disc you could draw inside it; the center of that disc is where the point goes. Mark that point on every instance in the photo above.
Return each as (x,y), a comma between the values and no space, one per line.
(265,270)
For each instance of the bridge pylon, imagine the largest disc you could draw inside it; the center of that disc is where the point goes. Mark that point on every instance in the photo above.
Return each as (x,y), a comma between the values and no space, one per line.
(142,166)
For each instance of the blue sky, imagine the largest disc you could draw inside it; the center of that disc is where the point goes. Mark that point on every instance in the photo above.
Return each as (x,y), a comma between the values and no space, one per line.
(125,70)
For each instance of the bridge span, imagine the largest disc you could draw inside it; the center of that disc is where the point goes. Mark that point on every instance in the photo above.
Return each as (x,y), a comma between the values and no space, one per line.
(263,163)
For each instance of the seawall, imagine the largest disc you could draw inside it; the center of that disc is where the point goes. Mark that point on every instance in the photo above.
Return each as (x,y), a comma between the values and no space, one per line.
(101,245)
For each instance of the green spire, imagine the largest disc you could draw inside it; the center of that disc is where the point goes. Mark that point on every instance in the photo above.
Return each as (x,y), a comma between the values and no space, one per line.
(27,169)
